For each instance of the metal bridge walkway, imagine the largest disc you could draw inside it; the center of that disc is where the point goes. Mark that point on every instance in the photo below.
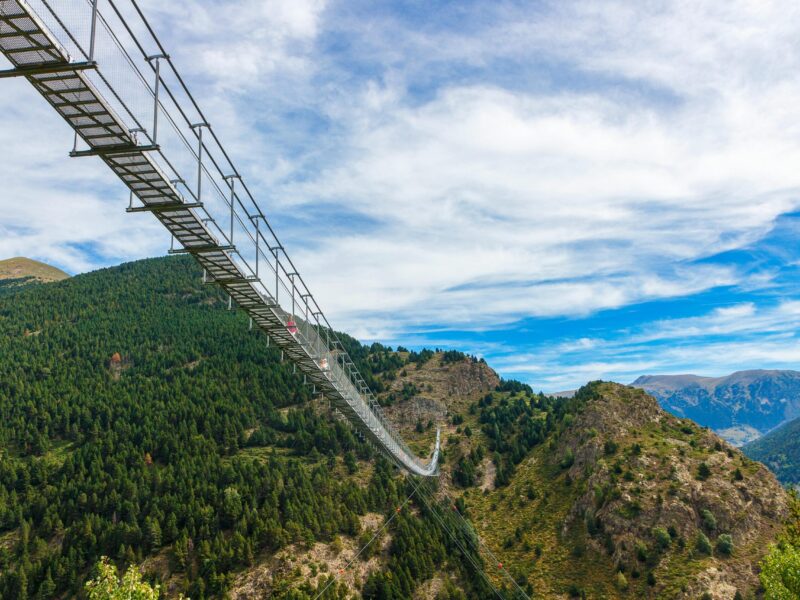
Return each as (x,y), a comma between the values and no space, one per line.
(36,54)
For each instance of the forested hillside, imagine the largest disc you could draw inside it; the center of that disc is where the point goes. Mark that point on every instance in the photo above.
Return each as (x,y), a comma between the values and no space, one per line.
(780,451)
(142,421)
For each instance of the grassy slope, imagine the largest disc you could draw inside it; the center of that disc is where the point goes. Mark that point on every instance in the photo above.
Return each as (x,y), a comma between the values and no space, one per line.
(20,267)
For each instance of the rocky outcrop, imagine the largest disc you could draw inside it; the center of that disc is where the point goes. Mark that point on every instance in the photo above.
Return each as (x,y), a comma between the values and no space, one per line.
(653,484)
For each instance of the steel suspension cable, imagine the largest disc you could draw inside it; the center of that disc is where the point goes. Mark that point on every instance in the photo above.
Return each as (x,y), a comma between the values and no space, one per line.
(365,546)
(224,152)
(171,120)
(221,148)
(430,502)
(129,59)
(286,266)
(480,544)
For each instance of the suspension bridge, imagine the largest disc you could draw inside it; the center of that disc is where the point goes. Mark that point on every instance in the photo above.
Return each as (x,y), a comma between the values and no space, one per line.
(243,256)
(105,71)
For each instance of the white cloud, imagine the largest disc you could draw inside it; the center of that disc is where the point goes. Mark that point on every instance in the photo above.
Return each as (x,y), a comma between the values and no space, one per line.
(634,139)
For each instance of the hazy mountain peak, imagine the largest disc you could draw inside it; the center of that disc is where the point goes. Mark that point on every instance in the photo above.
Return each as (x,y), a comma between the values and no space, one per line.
(740,406)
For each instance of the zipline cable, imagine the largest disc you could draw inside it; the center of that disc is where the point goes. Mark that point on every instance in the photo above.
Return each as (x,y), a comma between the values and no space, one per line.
(480,544)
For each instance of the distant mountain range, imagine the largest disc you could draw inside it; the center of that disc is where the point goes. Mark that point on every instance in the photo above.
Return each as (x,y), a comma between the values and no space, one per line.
(741,407)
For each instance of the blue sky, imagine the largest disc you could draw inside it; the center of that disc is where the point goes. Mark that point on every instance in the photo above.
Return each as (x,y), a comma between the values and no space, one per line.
(573,190)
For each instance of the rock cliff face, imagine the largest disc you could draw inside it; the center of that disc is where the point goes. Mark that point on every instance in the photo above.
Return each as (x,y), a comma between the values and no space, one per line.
(740,407)
(431,390)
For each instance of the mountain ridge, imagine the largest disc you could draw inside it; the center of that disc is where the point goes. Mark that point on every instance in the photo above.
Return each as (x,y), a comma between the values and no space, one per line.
(741,406)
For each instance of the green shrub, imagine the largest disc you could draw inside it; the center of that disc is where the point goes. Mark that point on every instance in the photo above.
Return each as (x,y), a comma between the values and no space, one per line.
(662,537)
(709,521)
(702,543)
(641,551)
(576,592)
(703,471)
(621,582)
(725,544)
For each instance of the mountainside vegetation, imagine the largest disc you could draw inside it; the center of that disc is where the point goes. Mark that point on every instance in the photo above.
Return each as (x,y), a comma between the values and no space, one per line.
(739,407)
(780,451)
(607,495)
(141,421)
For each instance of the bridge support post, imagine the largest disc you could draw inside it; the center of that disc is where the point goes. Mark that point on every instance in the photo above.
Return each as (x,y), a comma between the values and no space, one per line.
(199,127)
(157,86)
(231,179)
(257,221)
(93,31)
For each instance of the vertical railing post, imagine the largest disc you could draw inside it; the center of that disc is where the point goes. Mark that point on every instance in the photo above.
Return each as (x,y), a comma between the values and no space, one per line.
(291,278)
(93,31)
(156,88)
(199,128)
(258,235)
(277,271)
(231,179)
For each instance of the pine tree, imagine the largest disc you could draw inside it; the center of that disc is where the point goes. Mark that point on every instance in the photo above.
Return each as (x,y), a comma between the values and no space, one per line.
(47,588)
